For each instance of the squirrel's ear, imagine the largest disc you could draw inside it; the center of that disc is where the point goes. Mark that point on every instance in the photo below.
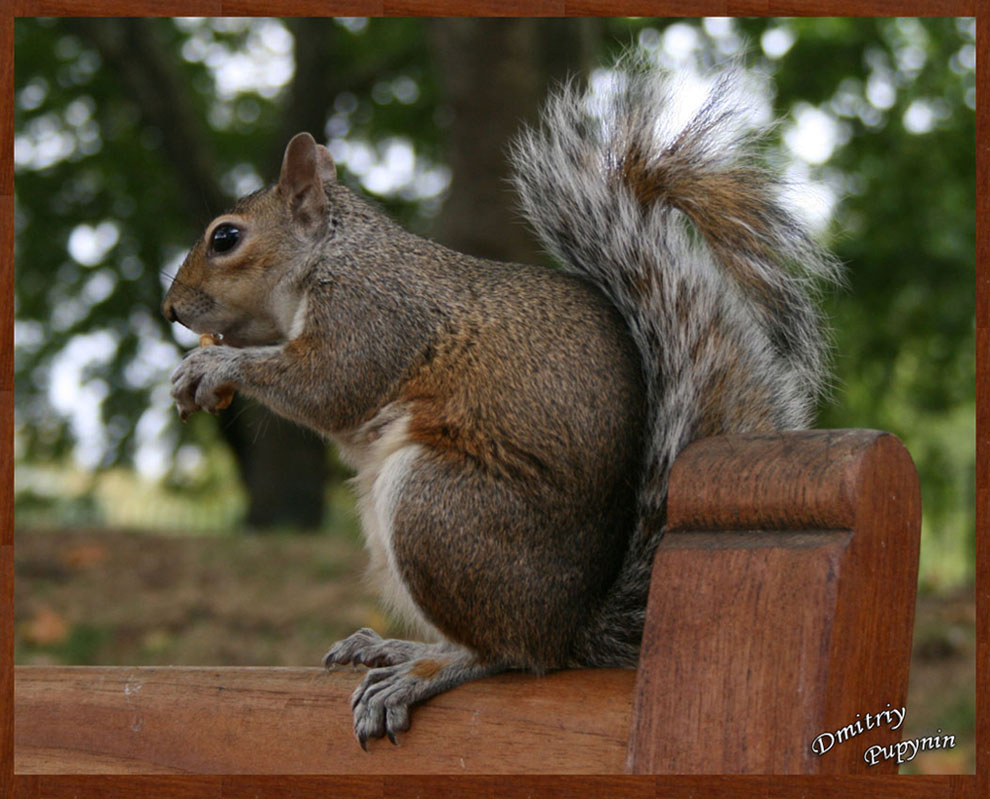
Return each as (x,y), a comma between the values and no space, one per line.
(325,165)
(306,166)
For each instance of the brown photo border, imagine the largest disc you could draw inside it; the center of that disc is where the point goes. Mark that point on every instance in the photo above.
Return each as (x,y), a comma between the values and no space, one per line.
(617,787)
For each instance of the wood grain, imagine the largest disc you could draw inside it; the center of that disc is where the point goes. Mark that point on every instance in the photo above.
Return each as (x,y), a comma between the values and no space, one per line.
(804,480)
(100,787)
(814,787)
(781,605)
(941,8)
(299,787)
(117,8)
(302,8)
(477,8)
(772,8)
(6,669)
(546,787)
(297,721)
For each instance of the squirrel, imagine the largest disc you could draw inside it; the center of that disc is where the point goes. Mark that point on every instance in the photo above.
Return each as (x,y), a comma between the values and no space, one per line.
(512,426)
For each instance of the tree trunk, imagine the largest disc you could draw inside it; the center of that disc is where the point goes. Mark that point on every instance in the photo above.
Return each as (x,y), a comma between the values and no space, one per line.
(494,74)
(282,466)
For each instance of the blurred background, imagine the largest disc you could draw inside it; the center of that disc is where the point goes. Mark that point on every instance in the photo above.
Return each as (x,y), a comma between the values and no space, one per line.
(233,540)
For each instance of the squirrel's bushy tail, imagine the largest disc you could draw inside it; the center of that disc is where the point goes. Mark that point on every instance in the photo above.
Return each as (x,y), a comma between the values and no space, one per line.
(683,228)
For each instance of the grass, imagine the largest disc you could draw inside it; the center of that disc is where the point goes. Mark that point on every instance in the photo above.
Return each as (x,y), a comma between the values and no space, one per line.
(117,597)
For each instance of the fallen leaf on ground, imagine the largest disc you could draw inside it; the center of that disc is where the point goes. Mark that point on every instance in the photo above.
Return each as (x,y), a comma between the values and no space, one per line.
(45,627)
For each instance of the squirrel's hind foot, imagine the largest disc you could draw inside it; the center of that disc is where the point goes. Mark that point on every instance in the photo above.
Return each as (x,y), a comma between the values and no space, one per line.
(402,674)
(382,702)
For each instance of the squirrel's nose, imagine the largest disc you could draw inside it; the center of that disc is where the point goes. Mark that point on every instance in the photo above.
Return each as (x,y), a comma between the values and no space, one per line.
(168,311)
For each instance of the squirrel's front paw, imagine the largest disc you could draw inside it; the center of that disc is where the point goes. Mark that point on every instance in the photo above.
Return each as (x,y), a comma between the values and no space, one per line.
(205,380)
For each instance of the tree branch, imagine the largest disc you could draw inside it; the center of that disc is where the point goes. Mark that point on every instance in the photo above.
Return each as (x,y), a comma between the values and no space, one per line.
(149,76)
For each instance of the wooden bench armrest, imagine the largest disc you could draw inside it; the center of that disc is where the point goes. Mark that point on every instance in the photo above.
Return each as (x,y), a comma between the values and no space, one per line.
(781,604)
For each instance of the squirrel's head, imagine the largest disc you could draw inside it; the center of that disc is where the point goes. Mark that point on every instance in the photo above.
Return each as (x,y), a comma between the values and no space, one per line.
(237,279)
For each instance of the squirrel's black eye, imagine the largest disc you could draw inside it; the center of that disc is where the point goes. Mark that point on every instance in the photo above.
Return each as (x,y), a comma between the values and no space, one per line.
(224,238)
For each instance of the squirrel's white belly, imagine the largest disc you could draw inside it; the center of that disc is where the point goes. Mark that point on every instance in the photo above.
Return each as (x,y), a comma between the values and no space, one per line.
(384,457)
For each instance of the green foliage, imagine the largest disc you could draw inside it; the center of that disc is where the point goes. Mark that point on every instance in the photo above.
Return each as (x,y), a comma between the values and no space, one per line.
(83,645)
(904,327)
(97,160)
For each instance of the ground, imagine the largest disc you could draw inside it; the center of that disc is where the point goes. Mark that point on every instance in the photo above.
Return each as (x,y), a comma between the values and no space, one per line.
(106,597)
(116,597)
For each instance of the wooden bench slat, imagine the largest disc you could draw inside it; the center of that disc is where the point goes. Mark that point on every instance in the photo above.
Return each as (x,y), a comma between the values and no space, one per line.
(158,720)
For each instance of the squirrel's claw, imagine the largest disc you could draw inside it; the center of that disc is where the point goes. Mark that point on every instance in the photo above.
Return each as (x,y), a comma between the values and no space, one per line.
(381,703)
(203,381)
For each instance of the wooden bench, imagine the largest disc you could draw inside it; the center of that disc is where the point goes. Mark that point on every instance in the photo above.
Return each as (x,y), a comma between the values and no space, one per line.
(781,608)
